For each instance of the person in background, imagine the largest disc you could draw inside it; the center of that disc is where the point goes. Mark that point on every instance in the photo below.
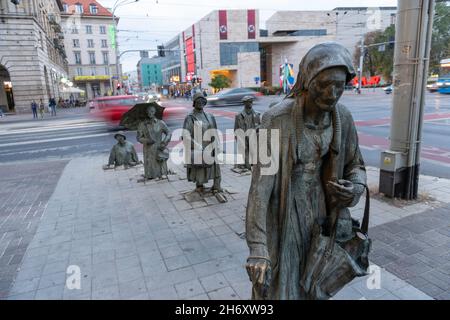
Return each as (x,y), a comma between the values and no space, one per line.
(41,108)
(52,104)
(34,108)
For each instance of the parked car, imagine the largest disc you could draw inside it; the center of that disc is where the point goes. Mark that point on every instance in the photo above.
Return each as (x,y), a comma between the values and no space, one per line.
(389,90)
(151,95)
(230,97)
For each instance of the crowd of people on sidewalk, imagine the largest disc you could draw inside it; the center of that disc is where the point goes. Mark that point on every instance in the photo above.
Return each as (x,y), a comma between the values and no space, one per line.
(38,109)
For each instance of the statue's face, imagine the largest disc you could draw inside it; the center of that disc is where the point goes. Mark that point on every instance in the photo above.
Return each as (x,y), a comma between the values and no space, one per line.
(120,139)
(151,112)
(327,88)
(199,104)
(248,105)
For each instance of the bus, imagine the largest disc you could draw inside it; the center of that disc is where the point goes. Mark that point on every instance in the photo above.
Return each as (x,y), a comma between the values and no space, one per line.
(443,82)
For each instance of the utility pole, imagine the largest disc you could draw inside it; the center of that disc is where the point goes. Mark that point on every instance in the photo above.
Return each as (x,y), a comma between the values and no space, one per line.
(400,165)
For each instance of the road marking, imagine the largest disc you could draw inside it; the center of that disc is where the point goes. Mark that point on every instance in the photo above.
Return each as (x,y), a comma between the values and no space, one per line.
(50,128)
(13,144)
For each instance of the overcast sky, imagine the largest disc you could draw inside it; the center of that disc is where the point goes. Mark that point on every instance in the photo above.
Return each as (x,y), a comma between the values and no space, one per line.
(156,21)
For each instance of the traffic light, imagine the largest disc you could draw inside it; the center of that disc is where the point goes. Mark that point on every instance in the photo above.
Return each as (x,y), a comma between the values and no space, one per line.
(161,52)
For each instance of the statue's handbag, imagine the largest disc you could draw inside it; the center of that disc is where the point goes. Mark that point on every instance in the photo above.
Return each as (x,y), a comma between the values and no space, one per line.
(331,265)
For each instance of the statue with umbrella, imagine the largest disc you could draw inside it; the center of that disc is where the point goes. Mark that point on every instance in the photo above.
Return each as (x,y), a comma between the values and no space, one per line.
(154,135)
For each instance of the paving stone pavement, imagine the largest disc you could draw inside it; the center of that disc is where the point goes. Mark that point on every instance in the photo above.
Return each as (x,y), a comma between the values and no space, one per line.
(144,241)
(26,188)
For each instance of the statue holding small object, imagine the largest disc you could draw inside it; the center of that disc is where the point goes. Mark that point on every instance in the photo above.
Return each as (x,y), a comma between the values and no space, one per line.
(155,136)
(321,174)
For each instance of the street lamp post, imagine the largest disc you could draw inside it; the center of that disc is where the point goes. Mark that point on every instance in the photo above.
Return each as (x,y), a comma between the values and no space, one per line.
(117,4)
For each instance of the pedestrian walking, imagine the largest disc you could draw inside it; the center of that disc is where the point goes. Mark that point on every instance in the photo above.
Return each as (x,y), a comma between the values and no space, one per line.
(34,108)
(41,108)
(52,104)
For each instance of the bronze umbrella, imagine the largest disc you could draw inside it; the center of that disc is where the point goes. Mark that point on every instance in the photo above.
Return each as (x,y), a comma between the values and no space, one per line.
(138,113)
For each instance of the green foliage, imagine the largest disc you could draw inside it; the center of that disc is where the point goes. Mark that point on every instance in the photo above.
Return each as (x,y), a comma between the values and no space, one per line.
(440,46)
(378,62)
(219,82)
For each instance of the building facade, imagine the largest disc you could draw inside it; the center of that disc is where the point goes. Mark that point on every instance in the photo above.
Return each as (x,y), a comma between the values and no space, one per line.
(32,54)
(89,41)
(229,42)
(150,72)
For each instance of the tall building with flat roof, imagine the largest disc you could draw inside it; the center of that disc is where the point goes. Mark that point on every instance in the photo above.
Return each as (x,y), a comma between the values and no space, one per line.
(32,54)
(88,28)
(229,42)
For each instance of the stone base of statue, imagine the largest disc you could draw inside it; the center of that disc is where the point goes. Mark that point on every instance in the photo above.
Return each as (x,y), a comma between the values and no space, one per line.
(143,179)
(121,167)
(242,170)
(205,194)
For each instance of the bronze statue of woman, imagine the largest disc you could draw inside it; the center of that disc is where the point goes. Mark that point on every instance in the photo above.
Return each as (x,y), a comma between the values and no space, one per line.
(155,136)
(320,169)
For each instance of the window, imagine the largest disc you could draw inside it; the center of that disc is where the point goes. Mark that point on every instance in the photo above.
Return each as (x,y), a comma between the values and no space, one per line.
(105,57)
(92,57)
(76,43)
(89,29)
(102,30)
(79,8)
(93,71)
(107,70)
(74,29)
(229,51)
(77,55)
(79,71)
(65,7)
(104,43)
(93,8)
(90,43)
(301,33)
(393,18)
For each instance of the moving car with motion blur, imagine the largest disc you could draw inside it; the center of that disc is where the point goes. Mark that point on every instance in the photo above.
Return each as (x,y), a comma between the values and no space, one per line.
(110,109)
(231,97)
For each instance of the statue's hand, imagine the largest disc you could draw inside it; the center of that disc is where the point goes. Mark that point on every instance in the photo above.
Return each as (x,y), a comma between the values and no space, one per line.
(343,192)
(259,272)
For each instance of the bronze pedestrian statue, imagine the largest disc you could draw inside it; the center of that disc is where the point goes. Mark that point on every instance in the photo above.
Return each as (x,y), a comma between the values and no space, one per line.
(248,122)
(122,153)
(199,170)
(321,174)
(155,136)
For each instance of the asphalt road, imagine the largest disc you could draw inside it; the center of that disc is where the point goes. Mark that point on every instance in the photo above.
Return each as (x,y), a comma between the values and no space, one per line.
(75,133)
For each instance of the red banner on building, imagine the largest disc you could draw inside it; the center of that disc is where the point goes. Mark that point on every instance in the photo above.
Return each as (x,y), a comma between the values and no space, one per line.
(223,27)
(251,24)
(190,59)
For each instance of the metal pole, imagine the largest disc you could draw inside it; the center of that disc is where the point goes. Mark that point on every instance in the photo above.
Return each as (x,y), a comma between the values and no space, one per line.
(361,65)
(116,48)
(399,174)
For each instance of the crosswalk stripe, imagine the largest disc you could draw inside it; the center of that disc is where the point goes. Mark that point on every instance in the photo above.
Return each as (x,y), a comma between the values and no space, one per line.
(54,140)
(51,128)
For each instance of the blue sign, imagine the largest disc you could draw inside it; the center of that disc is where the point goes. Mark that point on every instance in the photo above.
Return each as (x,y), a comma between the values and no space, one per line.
(257,80)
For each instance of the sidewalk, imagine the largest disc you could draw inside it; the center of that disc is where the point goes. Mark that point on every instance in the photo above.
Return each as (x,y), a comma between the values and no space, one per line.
(136,241)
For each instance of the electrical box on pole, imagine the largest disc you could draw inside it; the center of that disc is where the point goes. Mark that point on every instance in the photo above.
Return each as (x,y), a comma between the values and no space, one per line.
(399,168)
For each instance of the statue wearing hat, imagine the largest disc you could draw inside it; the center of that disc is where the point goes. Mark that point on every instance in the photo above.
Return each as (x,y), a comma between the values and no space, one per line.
(199,169)
(122,154)
(248,121)
(321,174)
(154,134)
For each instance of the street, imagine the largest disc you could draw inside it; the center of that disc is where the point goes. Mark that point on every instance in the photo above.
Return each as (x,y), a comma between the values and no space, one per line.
(75,133)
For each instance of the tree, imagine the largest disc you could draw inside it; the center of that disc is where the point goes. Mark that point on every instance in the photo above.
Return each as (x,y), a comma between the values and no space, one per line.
(379,60)
(440,45)
(219,82)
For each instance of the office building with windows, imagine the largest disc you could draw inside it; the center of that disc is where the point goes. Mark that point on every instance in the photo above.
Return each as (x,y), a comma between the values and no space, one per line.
(230,42)
(89,41)
(32,55)
(149,73)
